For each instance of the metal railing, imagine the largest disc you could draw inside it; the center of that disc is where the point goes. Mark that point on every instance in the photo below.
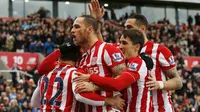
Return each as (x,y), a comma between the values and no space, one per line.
(17,71)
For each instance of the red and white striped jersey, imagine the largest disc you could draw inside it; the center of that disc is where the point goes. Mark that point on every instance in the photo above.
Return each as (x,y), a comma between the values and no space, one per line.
(99,60)
(163,60)
(57,91)
(138,96)
(132,81)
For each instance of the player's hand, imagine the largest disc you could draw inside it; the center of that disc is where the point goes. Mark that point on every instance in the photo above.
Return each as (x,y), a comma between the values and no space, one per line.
(95,10)
(81,77)
(152,84)
(85,87)
(116,102)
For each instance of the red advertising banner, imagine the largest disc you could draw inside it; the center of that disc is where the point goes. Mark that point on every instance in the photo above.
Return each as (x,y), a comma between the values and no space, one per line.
(191,61)
(23,60)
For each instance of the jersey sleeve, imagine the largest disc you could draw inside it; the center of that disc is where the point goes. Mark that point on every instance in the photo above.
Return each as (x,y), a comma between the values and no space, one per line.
(166,58)
(118,84)
(49,62)
(128,76)
(113,56)
(90,98)
(35,99)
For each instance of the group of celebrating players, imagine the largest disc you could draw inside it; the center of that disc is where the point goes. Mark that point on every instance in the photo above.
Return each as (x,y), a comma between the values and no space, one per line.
(89,75)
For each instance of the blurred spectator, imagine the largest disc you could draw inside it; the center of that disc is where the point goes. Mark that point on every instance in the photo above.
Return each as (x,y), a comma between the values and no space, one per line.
(15,76)
(33,46)
(13,106)
(20,43)
(105,17)
(40,47)
(42,12)
(180,61)
(49,46)
(190,20)
(113,15)
(197,19)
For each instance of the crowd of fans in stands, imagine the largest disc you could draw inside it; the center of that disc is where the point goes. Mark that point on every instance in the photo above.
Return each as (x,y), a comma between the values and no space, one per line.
(36,34)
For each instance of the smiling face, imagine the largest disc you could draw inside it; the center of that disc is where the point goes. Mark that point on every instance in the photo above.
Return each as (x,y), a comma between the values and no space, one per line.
(79,31)
(128,48)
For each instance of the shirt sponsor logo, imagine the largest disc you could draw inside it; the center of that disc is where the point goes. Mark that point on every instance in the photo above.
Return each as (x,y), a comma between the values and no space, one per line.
(117,57)
(171,60)
(132,66)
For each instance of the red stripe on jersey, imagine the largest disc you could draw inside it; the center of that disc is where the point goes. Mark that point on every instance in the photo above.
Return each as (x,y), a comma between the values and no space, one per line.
(159,78)
(144,96)
(134,97)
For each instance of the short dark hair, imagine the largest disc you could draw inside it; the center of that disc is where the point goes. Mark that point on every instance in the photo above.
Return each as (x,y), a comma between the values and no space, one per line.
(69,51)
(140,20)
(91,21)
(135,35)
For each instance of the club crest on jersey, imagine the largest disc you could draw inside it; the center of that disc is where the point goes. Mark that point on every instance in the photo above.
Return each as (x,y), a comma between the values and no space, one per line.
(132,66)
(117,57)
(94,61)
(171,60)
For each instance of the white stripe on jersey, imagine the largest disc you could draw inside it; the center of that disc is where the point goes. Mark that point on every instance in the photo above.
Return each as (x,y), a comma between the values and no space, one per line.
(107,58)
(91,56)
(162,60)
(129,94)
(153,55)
(101,70)
(148,101)
(141,85)
(143,49)
(64,95)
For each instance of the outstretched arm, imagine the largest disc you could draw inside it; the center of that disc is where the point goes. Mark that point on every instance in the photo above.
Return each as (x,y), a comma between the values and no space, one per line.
(118,84)
(49,62)
(115,84)
(35,99)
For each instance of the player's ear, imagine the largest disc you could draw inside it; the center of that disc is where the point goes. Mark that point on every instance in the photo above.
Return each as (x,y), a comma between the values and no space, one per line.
(89,29)
(143,28)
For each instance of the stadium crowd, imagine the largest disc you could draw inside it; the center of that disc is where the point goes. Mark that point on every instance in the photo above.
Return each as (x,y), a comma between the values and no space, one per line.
(43,35)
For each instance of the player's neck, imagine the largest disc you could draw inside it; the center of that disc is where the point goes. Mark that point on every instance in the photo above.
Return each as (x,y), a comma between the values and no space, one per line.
(132,54)
(145,39)
(91,41)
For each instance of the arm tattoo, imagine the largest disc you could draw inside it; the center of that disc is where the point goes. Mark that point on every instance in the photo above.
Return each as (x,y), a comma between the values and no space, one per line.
(171,73)
(118,69)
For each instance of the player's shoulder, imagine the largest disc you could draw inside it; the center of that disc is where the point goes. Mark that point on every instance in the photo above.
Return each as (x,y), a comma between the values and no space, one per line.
(134,63)
(111,46)
(163,49)
(136,59)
